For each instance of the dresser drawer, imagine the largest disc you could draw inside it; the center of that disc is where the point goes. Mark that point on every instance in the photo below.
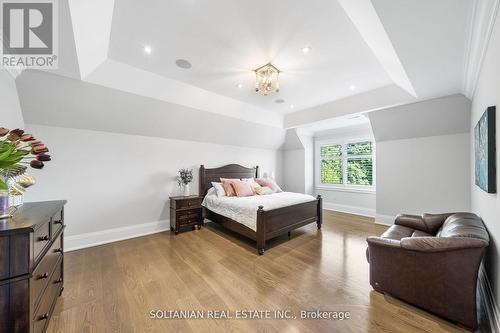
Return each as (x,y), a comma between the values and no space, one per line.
(41,239)
(42,314)
(43,271)
(57,222)
(188,203)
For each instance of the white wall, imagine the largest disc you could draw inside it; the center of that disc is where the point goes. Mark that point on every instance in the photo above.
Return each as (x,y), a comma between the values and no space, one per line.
(294,172)
(10,110)
(298,154)
(359,203)
(429,174)
(422,157)
(124,181)
(486,205)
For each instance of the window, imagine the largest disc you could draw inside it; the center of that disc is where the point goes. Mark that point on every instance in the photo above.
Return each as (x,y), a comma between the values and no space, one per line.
(349,164)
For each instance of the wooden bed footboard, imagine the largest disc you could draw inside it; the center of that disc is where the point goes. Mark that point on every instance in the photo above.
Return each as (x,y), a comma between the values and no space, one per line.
(276,222)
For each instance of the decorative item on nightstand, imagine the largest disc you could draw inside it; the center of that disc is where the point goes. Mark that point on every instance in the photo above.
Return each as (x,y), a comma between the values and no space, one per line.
(185,211)
(185,177)
(18,150)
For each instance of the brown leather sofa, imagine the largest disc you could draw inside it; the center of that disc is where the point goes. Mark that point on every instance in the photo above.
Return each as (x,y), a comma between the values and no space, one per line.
(431,261)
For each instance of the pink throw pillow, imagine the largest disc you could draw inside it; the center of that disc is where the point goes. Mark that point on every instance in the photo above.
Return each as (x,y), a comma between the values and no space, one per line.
(269,183)
(227,183)
(242,188)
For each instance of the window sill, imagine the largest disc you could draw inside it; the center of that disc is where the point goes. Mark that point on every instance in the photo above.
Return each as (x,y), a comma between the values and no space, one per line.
(371,190)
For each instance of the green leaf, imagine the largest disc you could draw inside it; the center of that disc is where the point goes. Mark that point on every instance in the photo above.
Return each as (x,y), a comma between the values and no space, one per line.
(6,154)
(9,162)
(3,185)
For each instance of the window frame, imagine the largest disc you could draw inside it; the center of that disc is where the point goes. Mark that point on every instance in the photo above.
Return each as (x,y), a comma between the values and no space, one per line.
(344,158)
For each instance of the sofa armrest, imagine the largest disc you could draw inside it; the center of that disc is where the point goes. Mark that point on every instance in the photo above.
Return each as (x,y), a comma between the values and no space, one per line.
(385,242)
(441,244)
(411,221)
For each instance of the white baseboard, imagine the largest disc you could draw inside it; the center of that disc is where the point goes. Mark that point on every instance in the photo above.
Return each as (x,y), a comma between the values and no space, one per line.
(384,219)
(90,239)
(349,209)
(488,303)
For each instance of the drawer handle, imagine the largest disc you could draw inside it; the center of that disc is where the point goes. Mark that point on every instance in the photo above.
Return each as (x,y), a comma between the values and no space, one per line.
(189,204)
(43,238)
(42,276)
(58,222)
(58,281)
(59,250)
(44,317)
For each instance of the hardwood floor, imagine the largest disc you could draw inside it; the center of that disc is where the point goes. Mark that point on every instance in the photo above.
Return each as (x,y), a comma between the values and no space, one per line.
(113,288)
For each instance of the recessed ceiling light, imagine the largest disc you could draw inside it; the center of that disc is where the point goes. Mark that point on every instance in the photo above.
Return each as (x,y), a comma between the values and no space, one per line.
(239,85)
(279,101)
(352,87)
(306,49)
(183,63)
(292,106)
(147,49)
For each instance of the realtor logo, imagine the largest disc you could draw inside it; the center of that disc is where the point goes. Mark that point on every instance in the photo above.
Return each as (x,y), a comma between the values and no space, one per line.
(29,34)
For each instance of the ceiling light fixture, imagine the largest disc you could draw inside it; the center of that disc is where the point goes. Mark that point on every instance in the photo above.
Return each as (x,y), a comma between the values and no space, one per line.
(352,87)
(147,49)
(239,85)
(306,49)
(266,79)
(292,106)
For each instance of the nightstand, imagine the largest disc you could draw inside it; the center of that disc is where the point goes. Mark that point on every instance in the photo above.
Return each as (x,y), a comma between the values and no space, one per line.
(185,212)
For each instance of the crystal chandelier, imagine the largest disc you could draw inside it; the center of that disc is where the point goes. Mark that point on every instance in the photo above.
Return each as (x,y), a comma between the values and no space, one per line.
(266,79)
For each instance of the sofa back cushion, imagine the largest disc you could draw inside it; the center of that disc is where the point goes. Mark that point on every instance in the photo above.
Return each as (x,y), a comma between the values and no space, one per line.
(434,221)
(464,225)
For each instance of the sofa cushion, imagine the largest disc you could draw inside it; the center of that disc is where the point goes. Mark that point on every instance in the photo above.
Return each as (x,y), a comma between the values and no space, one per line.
(463,225)
(396,232)
(434,221)
(418,233)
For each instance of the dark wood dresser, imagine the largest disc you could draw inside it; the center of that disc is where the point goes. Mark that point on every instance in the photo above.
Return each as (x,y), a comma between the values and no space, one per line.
(31,266)
(185,212)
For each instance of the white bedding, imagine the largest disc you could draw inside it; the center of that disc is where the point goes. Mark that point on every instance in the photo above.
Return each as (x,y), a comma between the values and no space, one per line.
(244,209)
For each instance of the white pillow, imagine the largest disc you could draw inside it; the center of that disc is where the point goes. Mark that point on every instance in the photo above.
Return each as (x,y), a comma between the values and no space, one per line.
(252,182)
(219,189)
(211,191)
(264,190)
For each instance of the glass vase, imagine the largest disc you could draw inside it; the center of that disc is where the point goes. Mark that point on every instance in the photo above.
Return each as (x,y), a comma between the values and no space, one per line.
(186,190)
(4,204)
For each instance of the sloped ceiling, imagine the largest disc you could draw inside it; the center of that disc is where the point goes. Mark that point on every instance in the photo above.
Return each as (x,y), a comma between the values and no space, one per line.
(439,116)
(55,100)
(364,56)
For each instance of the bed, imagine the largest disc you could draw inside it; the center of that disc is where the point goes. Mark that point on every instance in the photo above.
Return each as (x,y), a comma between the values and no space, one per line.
(269,223)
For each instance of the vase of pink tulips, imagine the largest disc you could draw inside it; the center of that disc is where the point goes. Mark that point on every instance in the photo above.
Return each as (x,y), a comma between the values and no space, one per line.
(18,151)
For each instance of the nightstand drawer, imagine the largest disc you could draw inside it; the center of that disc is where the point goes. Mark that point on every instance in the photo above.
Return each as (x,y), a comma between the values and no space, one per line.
(188,214)
(192,217)
(188,203)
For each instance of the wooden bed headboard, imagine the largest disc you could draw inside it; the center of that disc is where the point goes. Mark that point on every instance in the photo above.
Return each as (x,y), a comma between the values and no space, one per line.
(207,176)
